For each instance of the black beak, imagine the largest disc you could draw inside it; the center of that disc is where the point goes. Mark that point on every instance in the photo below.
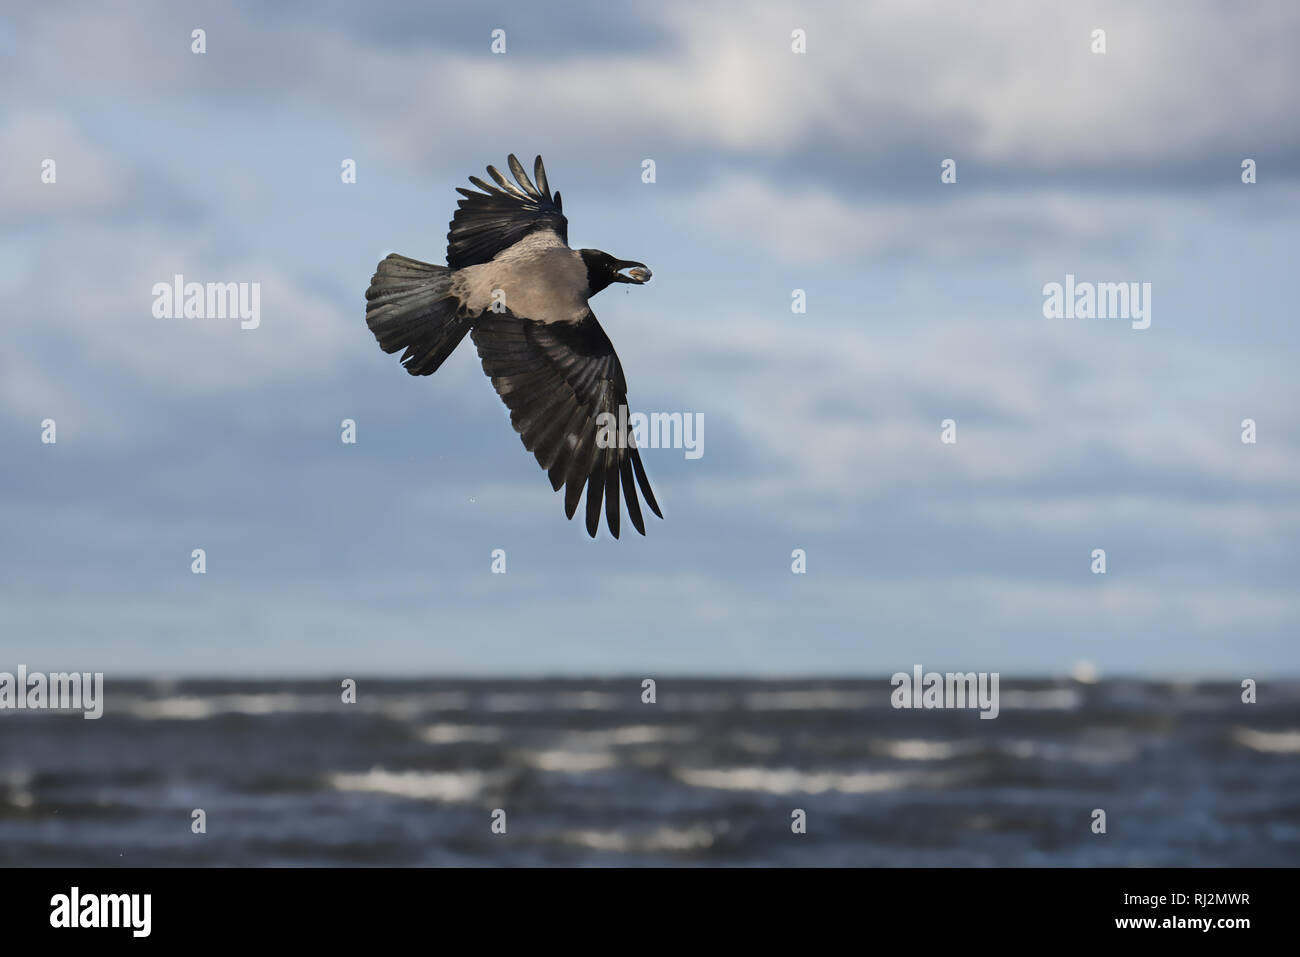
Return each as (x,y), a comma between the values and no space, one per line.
(633,272)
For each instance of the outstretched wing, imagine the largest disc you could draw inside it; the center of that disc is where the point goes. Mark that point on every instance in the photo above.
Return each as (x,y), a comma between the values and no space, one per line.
(495,219)
(557,378)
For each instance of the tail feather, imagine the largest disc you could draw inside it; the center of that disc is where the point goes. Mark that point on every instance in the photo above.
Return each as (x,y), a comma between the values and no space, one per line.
(410,306)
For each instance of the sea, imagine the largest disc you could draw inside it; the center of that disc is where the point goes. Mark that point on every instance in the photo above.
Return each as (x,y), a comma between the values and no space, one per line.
(712,772)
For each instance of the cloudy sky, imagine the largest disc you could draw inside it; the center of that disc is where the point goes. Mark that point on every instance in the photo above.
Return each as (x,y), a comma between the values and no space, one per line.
(774,172)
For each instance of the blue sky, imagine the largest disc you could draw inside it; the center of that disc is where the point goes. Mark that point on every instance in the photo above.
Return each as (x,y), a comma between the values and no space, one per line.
(775,171)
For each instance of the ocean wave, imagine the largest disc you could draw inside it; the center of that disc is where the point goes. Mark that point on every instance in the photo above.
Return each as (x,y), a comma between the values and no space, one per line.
(461,734)
(632,734)
(1268,742)
(816,699)
(1098,753)
(754,743)
(916,749)
(794,781)
(1052,699)
(511,701)
(15,790)
(448,787)
(197,708)
(665,839)
(408,707)
(569,762)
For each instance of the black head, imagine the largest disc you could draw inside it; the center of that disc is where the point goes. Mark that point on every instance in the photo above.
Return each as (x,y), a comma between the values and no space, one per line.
(603,269)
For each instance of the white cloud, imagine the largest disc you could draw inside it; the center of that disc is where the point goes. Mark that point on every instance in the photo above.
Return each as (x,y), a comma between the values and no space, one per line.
(838,415)
(88,180)
(1011,83)
(87,342)
(812,224)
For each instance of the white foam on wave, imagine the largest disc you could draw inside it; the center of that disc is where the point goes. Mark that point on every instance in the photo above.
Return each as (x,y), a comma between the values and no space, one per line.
(629,735)
(793,781)
(460,733)
(198,708)
(917,749)
(16,784)
(1268,742)
(1101,753)
(663,839)
(570,762)
(448,787)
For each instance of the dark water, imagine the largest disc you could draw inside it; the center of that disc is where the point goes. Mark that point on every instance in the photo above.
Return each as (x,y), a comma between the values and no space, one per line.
(587,774)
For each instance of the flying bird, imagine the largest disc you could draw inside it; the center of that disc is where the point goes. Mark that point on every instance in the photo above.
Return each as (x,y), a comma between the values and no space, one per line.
(512,282)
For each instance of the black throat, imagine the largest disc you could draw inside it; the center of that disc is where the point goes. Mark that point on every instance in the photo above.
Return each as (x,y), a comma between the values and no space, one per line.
(602,270)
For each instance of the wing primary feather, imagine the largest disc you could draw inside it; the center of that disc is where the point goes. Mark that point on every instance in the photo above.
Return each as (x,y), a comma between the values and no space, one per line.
(644,483)
(576,479)
(507,187)
(595,490)
(521,176)
(492,218)
(581,464)
(539,174)
(629,495)
(556,473)
(572,495)
(611,493)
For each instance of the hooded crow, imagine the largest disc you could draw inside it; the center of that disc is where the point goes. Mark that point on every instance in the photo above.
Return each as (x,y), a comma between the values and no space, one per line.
(512,282)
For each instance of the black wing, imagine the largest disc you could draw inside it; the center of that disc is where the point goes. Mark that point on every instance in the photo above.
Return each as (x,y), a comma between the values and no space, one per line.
(556,378)
(495,219)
